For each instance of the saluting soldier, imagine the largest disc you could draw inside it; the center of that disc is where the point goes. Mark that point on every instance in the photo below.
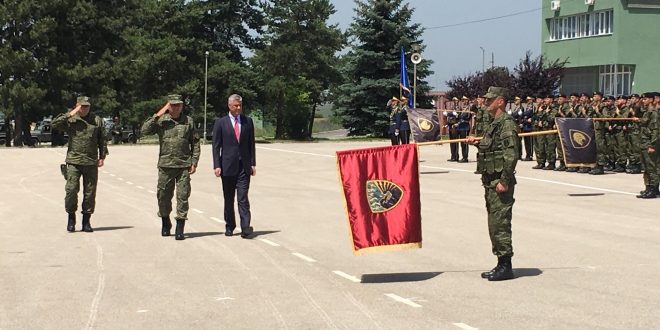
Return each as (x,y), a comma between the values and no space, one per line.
(85,153)
(177,161)
(596,111)
(620,128)
(498,152)
(573,105)
(395,120)
(610,128)
(562,111)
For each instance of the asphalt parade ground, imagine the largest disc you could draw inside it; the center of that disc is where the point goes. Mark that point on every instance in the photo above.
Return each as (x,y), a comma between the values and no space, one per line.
(587,252)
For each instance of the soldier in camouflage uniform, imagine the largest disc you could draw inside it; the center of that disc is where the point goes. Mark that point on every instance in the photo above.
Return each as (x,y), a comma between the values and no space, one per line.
(650,146)
(583,112)
(596,111)
(633,132)
(178,158)
(85,154)
(562,110)
(499,155)
(619,128)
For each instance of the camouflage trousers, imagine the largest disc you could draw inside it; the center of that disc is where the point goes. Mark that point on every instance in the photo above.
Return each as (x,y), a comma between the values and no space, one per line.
(620,152)
(632,150)
(539,149)
(499,208)
(90,175)
(650,165)
(168,179)
(546,148)
(601,148)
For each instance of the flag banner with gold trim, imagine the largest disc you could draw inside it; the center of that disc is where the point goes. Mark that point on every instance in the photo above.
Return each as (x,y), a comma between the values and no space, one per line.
(381,191)
(578,141)
(424,124)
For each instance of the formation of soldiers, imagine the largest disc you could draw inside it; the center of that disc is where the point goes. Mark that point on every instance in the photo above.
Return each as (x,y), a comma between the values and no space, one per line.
(623,146)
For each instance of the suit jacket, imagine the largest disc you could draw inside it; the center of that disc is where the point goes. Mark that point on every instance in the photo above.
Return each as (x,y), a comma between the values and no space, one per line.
(228,153)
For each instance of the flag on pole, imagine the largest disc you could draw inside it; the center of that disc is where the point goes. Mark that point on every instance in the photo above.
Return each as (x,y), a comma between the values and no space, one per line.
(404,84)
(578,141)
(425,124)
(381,191)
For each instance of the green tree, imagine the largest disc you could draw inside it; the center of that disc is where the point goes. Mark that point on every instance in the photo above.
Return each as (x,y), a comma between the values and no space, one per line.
(371,68)
(298,63)
(537,76)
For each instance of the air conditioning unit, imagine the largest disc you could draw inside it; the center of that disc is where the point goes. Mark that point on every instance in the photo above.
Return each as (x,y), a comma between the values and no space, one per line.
(554,5)
(589,2)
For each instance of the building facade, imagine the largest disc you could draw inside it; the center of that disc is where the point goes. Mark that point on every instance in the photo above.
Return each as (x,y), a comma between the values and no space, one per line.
(611,46)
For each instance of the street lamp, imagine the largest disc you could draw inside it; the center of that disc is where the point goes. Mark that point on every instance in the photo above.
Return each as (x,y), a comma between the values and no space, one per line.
(206,85)
(483,59)
(416,58)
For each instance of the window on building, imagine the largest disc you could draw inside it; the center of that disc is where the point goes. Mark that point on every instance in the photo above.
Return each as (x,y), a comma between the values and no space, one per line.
(598,23)
(615,79)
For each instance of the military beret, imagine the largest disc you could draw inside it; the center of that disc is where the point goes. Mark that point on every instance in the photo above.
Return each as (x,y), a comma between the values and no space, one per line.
(584,94)
(647,95)
(562,95)
(611,98)
(83,100)
(634,95)
(575,94)
(174,99)
(623,97)
(598,93)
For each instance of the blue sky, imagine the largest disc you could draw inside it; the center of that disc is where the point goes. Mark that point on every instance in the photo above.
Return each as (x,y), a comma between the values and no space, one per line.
(455,50)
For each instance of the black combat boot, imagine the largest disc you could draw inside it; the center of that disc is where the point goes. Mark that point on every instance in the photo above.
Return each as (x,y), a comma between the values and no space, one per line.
(608,168)
(490,272)
(645,191)
(583,170)
(86,226)
(652,193)
(572,169)
(504,272)
(636,169)
(167,226)
(71,225)
(550,167)
(620,168)
(538,166)
(598,170)
(178,232)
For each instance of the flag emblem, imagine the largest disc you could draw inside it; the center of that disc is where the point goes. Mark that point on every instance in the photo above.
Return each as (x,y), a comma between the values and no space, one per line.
(383,195)
(425,125)
(579,139)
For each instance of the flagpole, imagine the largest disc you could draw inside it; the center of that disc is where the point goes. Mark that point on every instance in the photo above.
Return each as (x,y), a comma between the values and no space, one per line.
(554,131)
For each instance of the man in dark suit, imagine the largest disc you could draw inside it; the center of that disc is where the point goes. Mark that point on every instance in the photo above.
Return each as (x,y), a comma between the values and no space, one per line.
(234,161)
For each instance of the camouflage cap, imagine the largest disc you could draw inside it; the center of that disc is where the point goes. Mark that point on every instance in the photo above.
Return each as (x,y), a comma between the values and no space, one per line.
(83,100)
(174,99)
(494,92)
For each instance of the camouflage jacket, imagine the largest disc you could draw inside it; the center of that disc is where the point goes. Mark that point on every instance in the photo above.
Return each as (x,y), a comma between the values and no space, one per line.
(498,152)
(650,128)
(179,144)
(86,138)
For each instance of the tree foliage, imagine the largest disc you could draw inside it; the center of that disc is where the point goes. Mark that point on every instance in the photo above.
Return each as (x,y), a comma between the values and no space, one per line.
(371,68)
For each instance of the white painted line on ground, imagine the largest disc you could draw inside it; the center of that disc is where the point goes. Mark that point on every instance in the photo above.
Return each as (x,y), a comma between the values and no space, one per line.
(297,152)
(403,300)
(142,311)
(112,174)
(152,192)
(465,326)
(471,171)
(128,182)
(216,220)
(303,257)
(269,242)
(139,187)
(198,211)
(223,298)
(346,276)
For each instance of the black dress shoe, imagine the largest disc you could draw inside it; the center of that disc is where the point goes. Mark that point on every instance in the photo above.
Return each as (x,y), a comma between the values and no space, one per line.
(246,232)
(538,166)
(464,160)
(229,233)
(71,224)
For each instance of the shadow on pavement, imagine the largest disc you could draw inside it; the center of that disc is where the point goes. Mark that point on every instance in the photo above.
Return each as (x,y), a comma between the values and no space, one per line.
(434,172)
(398,277)
(210,233)
(263,232)
(112,228)
(526,272)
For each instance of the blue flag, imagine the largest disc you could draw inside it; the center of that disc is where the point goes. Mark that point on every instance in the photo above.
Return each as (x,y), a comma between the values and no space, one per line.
(404,84)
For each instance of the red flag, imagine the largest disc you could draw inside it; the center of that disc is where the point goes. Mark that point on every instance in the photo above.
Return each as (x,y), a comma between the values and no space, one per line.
(381,190)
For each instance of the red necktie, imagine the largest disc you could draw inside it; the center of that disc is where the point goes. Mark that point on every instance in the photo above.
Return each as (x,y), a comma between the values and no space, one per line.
(237,130)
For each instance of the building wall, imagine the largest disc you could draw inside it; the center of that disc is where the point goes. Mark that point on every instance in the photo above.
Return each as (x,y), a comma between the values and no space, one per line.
(635,41)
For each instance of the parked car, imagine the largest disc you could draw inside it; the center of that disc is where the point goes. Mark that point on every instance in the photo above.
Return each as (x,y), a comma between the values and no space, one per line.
(43,133)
